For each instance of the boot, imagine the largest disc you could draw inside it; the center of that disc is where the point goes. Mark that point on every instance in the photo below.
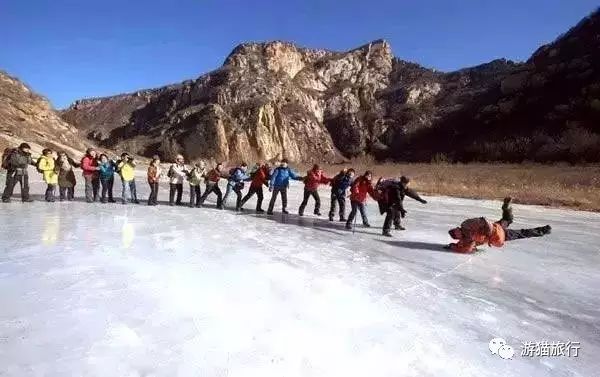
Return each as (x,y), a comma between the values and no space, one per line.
(317,213)
(546,229)
(330,218)
(348,226)
(387,233)
(285,212)
(366,225)
(399,227)
(260,210)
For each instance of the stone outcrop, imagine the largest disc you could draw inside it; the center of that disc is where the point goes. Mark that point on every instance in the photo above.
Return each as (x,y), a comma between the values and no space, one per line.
(277,99)
(26,116)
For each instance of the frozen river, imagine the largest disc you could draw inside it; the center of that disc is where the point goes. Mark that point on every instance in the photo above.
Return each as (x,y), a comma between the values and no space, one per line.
(113,290)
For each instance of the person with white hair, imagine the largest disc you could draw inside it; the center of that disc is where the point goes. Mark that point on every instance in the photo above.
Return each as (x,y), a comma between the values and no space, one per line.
(177,174)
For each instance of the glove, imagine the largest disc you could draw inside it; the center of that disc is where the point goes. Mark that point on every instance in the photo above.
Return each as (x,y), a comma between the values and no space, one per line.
(448,247)
(402,213)
(424,201)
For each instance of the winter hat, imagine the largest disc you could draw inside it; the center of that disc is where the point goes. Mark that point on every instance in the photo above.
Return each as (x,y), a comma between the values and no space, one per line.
(455,233)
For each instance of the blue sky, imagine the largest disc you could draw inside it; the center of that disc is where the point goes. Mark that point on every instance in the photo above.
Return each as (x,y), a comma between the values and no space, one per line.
(73,49)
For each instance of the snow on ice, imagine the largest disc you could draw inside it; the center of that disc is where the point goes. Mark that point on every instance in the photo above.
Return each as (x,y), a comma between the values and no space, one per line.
(114,290)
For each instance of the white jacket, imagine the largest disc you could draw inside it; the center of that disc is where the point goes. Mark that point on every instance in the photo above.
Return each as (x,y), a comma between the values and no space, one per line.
(177,174)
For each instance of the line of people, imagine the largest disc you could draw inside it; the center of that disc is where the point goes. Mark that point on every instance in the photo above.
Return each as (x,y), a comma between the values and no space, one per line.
(99,171)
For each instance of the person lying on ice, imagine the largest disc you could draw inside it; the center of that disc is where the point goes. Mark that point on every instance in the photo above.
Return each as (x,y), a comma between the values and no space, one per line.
(479,231)
(235,183)
(280,181)
(314,178)
(339,187)
(359,190)
(260,177)
(391,201)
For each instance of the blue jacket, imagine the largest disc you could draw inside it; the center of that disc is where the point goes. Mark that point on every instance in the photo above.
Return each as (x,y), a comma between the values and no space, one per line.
(340,184)
(281,177)
(107,170)
(237,176)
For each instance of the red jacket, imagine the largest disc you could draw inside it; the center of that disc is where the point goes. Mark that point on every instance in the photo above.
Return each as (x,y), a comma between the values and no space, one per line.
(479,231)
(360,188)
(213,176)
(89,165)
(314,178)
(260,177)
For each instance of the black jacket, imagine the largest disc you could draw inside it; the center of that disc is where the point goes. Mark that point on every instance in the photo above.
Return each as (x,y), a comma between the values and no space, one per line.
(393,196)
(18,161)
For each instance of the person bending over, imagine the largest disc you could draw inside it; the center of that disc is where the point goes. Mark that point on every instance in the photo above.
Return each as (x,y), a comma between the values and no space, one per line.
(478,231)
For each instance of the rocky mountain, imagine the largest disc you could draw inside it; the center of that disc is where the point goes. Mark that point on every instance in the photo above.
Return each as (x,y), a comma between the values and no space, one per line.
(26,116)
(276,99)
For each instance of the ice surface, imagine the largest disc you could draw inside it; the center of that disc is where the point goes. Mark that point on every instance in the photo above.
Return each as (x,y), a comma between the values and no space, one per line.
(113,290)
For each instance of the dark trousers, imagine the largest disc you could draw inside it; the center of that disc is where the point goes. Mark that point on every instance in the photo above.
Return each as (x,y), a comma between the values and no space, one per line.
(67,193)
(338,200)
(391,215)
(524,233)
(12,178)
(92,186)
(259,197)
(238,192)
(153,198)
(50,193)
(107,189)
(363,214)
(308,194)
(175,188)
(210,188)
(276,192)
(195,195)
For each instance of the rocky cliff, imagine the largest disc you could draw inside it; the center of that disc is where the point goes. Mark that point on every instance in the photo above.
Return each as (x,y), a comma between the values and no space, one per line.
(26,116)
(277,99)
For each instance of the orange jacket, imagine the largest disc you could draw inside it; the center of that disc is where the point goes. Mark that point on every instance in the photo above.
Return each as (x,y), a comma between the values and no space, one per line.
(479,231)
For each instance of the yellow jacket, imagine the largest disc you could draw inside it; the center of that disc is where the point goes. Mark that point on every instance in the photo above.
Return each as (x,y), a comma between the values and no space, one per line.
(46,165)
(127,171)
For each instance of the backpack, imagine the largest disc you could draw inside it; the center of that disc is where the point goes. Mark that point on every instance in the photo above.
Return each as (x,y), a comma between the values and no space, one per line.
(8,152)
(37,165)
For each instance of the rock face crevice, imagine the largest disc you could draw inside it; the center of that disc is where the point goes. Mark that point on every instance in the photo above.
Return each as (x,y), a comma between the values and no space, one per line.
(277,99)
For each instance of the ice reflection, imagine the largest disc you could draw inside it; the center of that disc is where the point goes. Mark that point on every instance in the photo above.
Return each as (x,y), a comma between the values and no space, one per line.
(50,232)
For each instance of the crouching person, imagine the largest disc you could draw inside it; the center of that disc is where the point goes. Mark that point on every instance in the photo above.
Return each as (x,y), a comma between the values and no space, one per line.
(47,166)
(478,231)
(391,201)
(126,168)
(359,190)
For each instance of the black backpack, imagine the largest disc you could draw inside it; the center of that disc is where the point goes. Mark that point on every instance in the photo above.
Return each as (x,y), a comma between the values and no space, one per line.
(37,165)
(8,152)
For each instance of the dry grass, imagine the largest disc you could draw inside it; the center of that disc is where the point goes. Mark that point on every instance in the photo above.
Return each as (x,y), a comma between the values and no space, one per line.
(559,185)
